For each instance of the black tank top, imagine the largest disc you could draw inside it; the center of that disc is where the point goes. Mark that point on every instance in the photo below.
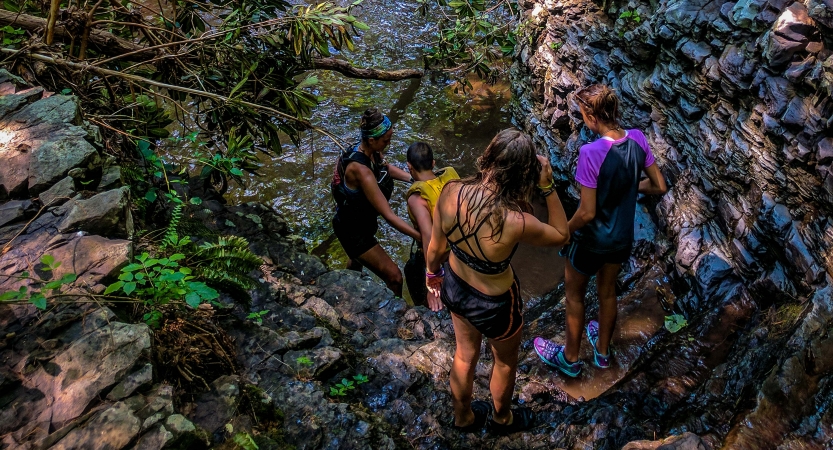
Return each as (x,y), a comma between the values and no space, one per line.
(352,206)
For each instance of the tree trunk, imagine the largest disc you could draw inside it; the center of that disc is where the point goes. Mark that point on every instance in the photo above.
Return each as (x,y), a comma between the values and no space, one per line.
(350,71)
(53,17)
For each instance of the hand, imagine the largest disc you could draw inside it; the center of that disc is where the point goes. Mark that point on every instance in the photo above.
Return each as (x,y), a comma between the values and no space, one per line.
(434,285)
(546,171)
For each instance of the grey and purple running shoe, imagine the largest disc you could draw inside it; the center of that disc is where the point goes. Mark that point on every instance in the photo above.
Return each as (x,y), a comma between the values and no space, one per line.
(599,360)
(553,355)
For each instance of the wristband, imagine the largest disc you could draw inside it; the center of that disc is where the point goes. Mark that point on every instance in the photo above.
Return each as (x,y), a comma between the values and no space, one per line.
(429,274)
(547,187)
(548,192)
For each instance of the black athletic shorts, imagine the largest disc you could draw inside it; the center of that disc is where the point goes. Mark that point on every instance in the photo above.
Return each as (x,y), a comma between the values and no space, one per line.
(415,277)
(497,317)
(356,239)
(588,262)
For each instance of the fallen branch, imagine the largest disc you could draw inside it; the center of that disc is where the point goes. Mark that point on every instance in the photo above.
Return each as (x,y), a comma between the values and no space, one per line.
(123,48)
(195,92)
(350,71)
(102,39)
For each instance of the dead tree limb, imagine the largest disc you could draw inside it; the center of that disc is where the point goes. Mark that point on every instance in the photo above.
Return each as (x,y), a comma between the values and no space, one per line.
(195,92)
(102,39)
(115,45)
(350,71)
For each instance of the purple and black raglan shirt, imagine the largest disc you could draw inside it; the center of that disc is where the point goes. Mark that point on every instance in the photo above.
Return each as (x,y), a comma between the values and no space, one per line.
(613,168)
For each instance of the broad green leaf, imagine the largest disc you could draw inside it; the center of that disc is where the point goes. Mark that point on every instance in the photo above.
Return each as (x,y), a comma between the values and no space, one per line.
(151,196)
(129,288)
(177,257)
(6,296)
(196,201)
(132,267)
(69,278)
(675,323)
(47,260)
(192,299)
(236,171)
(126,276)
(113,287)
(38,300)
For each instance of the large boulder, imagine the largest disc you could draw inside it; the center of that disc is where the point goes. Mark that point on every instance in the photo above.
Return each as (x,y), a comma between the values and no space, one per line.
(40,143)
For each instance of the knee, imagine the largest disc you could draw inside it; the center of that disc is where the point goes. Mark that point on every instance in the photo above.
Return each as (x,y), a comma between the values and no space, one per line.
(466,359)
(394,276)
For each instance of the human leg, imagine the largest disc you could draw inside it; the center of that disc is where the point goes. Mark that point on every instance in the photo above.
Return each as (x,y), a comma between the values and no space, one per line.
(378,261)
(504,372)
(462,369)
(575,285)
(606,282)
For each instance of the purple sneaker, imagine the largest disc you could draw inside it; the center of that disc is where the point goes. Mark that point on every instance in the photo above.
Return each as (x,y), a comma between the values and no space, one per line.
(553,355)
(599,360)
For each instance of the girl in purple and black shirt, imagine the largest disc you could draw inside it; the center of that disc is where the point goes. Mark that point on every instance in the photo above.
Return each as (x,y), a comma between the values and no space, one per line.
(609,171)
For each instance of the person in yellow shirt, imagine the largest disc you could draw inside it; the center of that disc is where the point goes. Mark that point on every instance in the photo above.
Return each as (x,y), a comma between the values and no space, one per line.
(421,198)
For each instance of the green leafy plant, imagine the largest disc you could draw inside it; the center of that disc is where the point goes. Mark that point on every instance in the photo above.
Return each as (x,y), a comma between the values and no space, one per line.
(303,361)
(675,322)
(226,263)
(473,36)
(11,36)
(556,45)
(160,281)
(37,292)
(341,389)
(244,440)
(257,317)
(631,19)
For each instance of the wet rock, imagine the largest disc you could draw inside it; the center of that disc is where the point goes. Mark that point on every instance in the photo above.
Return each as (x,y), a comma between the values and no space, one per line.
(158,405)
(106,213)
(685,441)
(15,210)
(155,439)
(132,382)
(113,428)
(43,144)
(59,193)
(792,32)
(311,363)
(364,305)
(216,408)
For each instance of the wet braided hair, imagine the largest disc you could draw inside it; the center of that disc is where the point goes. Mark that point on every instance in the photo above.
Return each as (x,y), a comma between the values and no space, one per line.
(509,171)
(601,102)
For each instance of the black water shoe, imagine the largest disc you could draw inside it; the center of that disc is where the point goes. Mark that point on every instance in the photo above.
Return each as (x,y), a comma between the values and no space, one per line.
(481,412)
(522,420)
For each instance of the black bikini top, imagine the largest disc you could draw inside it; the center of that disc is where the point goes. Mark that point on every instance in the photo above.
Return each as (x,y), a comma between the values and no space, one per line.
(484,265)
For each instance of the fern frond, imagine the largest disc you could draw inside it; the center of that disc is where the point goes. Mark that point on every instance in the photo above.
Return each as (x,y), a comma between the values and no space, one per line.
(171,233)
(227,262)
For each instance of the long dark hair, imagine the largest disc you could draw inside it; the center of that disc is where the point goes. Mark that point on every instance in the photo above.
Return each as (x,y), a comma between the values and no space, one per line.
(507,173)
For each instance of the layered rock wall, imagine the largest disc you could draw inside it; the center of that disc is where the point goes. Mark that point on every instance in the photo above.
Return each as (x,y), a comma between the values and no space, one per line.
(735,99)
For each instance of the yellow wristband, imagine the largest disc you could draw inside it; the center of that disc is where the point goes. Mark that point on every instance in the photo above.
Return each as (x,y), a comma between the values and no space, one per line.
(547,187)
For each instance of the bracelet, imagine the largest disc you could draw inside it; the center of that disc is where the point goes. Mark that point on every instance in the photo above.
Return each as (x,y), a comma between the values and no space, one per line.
(547,187)
(548,192)
(429,274)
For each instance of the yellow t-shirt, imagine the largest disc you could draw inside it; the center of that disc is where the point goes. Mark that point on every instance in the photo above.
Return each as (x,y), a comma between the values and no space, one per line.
(430,190)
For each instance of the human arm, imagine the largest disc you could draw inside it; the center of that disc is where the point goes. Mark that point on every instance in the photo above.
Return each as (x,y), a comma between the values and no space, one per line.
(586,209)
(555,231)
(419,210)
(371,190)
(399,174)
(434,256)
(655,183)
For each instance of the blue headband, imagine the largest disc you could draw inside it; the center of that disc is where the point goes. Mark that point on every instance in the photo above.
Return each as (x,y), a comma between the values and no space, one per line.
(379,130)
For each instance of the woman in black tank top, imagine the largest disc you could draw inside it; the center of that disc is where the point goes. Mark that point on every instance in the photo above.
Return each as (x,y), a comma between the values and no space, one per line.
(482,219)
(362,185)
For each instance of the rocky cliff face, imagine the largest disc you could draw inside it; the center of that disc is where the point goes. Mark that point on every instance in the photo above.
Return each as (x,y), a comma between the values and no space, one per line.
(735,99)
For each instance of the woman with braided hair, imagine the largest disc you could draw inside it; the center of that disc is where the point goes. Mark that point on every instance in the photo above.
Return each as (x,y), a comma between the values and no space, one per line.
(362,186)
